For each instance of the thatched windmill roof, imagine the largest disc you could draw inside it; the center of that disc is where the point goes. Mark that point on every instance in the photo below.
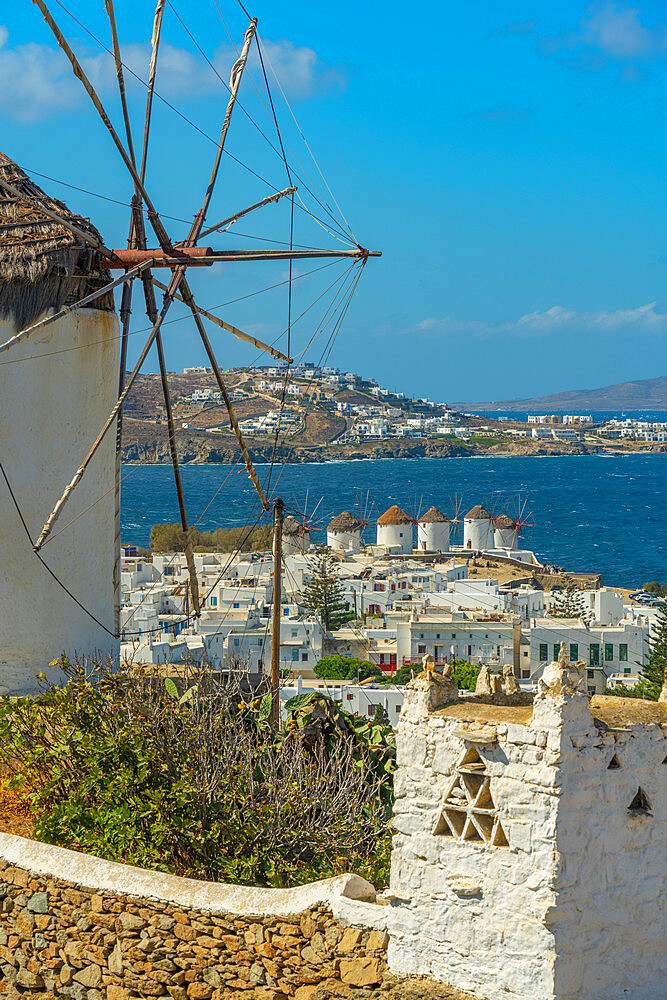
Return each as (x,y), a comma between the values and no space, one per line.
(42,265)
(344,522)
(293,527)
(504,521)
(394,516)
(478,513)
(433,516)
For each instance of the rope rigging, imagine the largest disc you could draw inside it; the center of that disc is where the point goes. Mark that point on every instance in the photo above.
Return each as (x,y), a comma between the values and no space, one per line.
(171,255)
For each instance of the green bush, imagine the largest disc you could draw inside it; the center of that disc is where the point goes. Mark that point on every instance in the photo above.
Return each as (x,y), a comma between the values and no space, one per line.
(170,538)
(127,767)
(346,668)
(465,674)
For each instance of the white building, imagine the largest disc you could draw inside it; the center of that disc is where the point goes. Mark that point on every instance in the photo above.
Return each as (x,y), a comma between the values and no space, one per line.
(344,533)
(433,531)
(529,854)
(504,532)
(606,650)
(478,529)
(394,530)
(51,408)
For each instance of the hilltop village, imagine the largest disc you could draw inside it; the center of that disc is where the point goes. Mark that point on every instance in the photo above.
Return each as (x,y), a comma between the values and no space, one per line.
(410,592)
(325,413)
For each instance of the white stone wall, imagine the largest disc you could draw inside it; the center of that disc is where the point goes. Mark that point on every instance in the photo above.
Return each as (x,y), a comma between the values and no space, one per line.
(573,907)
(610,920)
(474,914)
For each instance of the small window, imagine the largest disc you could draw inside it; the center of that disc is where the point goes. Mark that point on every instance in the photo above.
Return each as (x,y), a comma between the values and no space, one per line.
(285,612)
(214,601)
(608,651)
(574,652)
(590,674)
(304,657)
(594,654)
(623,651)
(421,648)
(236,604)
(556,650)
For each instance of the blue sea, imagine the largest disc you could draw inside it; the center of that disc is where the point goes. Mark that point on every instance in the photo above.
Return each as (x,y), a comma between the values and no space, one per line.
(590,512)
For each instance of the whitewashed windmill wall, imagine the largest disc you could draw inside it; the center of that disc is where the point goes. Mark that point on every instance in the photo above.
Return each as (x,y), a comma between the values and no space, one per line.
(51,409)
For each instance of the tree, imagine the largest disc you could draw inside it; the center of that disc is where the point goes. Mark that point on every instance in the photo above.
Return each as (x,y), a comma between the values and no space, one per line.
(654,671)
(324,593)
(346,668)
(569,603)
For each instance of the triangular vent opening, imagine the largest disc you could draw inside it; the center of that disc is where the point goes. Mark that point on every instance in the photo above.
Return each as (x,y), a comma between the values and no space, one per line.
(473,783)
(442,828)
(665,761)
(614,764)
(484,800)
(456,821)
(640,805)
(485,824)
(499,837)
(472,833)
(472,761)
(457,795)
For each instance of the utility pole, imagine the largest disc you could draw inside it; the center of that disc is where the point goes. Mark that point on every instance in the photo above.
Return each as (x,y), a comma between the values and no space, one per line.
(275,625)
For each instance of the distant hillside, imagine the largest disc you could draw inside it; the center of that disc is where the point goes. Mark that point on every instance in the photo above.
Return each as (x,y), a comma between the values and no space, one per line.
(647,394)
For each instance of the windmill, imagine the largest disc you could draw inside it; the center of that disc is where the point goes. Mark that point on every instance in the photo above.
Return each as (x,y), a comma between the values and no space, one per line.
(523,519)
(455,517)
(139,261)
(308,524)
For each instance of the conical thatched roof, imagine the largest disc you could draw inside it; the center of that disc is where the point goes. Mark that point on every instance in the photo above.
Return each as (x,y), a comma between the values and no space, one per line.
(344,522)
(42,264)
(433,516)
(478,513)
(504,521)
(394,516)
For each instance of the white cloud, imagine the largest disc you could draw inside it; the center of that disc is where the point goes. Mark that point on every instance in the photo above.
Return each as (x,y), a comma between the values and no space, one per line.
(617,30)
(609,33)
(543,323)
(36,80)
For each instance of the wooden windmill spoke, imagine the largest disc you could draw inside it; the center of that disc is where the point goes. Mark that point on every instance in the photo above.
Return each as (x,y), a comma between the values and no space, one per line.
(189,301)
(138,237)
(231,329)
(79,72)
(230,220)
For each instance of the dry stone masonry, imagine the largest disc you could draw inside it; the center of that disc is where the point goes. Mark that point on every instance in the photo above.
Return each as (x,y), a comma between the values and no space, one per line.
(531,849)
(61,939)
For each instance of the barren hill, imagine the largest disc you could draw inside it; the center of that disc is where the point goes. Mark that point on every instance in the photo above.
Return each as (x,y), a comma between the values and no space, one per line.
(644,394)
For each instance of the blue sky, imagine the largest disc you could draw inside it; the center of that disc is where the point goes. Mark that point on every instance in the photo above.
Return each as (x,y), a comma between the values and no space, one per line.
(508,159)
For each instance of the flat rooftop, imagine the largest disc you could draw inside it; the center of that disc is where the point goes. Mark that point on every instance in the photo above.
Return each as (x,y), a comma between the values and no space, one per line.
(612,712)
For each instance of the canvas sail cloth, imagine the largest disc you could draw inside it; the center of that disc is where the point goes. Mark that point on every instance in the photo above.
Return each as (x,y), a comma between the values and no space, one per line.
(57,386)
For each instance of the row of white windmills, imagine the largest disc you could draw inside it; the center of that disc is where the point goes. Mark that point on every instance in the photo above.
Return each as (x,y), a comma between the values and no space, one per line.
(395,529)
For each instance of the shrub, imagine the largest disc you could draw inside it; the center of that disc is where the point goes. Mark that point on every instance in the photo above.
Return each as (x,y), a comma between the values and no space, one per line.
(188,777)
(346,668)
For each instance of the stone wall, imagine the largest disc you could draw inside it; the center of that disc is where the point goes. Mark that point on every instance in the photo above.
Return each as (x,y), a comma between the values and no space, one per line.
(75,926)
(520,867)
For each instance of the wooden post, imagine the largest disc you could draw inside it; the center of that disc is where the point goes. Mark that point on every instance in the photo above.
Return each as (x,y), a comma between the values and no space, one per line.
(275,624)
